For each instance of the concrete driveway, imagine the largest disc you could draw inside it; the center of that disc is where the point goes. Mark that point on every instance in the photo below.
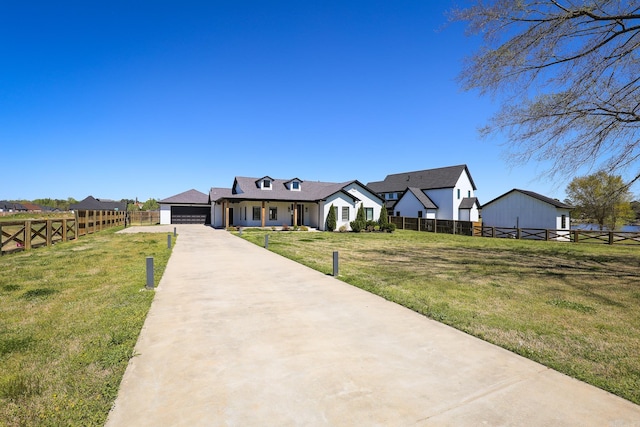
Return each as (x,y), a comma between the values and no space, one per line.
(239,336)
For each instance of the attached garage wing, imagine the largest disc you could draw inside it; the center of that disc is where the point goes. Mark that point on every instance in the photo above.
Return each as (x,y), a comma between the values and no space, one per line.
(190,215)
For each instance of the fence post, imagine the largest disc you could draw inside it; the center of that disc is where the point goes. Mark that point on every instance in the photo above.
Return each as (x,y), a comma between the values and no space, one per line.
(27,235)
(49,232)
(335,263)
(435,225)
(518,233)
(611,237)
(150,273)
(76,225)
(493,232)
(576,236)
(546,235)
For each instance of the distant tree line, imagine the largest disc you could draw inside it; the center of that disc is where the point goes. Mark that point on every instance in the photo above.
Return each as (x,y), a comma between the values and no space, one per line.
(63,205)
(60,204)
(149,205)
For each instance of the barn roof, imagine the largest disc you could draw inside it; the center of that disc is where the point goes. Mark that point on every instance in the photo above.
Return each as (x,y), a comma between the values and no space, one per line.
(555,202)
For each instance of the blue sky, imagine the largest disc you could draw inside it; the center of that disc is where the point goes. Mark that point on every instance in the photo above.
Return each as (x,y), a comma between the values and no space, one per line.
(147,99)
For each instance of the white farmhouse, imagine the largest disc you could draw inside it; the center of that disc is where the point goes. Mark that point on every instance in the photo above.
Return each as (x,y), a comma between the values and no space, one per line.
(442,193)
(527,210)
(267,202)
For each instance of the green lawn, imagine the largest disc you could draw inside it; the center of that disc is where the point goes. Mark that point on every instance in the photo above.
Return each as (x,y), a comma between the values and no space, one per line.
(572,307)
(70,316)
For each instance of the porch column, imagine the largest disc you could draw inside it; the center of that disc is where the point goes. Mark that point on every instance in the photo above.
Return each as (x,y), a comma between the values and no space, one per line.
(295,213)
(263,216)
(225,213)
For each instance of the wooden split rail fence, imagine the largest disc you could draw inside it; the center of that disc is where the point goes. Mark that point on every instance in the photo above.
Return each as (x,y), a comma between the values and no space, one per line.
(28,234)
(468,228)
(575,236)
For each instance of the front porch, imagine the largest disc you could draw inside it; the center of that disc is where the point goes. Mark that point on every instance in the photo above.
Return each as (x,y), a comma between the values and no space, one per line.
(251,213)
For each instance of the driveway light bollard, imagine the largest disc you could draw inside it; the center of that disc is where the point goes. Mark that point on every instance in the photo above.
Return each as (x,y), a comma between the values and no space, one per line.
(335,264)
(266,241)
(175,232)
(149,272)
(240,231)
(168,241)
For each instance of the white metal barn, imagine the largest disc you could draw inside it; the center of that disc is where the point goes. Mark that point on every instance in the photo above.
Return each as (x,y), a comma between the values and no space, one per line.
(526,209)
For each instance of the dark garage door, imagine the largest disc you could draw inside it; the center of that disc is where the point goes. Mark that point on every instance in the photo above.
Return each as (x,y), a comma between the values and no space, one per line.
(190,215)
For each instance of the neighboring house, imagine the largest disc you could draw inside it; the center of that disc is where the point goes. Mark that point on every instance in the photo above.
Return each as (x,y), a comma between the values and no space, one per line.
(528,210)
(6,206)
(442,193)
(264,202)
(189,207)
(32,207)
(92,204)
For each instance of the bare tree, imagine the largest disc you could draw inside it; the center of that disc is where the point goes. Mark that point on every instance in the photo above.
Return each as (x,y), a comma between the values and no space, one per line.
(568,75)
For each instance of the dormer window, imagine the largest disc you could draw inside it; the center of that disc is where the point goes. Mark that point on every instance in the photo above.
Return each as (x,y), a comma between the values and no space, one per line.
(266,184)
(294,184)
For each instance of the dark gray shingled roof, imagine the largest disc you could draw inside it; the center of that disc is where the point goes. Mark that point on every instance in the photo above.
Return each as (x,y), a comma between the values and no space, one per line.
(423,198)
(91,203)
(5,205)
(188,197)
(248,188)
(427,179)
(468,202)
(554,202)
(217,193)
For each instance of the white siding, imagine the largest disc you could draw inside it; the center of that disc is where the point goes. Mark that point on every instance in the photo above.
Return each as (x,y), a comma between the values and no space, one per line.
(443,199)
(519,210)
(465,189)
(472,214)
(339,200)
(368,199)
(165,214)
(409,205)
(216,215)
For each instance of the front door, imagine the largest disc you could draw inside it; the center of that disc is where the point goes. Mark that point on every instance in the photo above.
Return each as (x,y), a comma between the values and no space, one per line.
(300,215)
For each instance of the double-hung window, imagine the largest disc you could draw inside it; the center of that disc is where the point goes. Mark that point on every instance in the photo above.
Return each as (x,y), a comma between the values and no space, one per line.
(368,214)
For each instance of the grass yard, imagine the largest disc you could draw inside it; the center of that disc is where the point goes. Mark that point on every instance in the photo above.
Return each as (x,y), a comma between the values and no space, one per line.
(70,316)
(35,215)
(572,307)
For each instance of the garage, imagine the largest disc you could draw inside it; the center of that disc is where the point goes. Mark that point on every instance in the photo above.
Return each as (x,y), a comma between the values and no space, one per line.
(190,215)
